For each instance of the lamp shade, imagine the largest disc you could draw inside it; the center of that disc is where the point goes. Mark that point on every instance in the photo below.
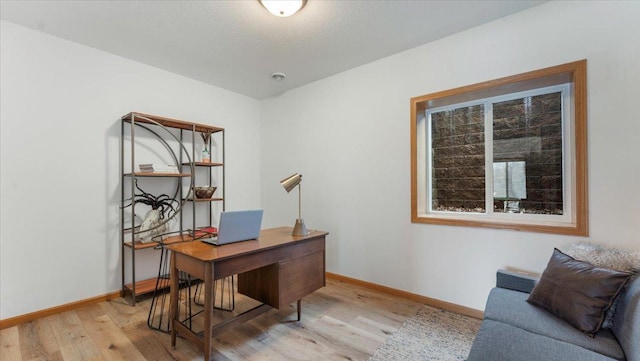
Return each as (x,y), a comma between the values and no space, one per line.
(283,8)
(291,182)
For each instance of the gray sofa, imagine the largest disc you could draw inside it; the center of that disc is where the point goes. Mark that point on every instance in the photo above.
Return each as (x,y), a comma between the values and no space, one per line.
(514,330)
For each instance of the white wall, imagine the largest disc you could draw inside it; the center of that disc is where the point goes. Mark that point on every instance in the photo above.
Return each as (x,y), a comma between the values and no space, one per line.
(349,137)
(60,109)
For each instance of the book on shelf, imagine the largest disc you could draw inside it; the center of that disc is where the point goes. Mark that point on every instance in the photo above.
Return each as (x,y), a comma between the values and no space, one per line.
(206,232)
(158,168)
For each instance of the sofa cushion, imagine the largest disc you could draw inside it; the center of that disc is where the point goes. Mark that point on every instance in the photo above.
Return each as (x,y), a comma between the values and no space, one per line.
(626,326)
(497,341)
(577,291)
(510,307)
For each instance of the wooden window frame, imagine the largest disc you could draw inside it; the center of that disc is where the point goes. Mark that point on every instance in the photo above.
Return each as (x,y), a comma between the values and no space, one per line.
(574,73)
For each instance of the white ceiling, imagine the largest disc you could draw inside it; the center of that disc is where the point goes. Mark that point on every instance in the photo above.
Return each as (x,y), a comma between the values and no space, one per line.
(237,44)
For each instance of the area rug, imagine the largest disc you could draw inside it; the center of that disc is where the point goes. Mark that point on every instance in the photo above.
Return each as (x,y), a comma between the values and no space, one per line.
(431,334)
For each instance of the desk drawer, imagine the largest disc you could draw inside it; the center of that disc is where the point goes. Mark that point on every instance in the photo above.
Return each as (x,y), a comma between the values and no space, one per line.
(281,284)
(300,277)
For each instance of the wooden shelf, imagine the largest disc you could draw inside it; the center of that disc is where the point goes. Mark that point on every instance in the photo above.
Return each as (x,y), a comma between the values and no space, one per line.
(168,122)
(149,285)
(204,164)
(185,237)
(149,174)
(204,200)
(145,286)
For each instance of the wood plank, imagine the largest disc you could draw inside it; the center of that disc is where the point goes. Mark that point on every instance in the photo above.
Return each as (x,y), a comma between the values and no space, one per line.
(70,334)
(107,336)
(10,344)
(30,346)
(123,315)
(47,340)
(363,343)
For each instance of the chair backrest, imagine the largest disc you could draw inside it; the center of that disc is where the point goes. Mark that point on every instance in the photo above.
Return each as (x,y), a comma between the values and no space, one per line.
(626,323)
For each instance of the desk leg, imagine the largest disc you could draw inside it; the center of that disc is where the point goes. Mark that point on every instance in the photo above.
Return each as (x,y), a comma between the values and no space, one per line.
(208,309)
(299,308)
(173,306)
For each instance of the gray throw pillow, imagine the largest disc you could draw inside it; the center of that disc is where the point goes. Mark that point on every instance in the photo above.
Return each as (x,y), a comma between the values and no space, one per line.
(577,291)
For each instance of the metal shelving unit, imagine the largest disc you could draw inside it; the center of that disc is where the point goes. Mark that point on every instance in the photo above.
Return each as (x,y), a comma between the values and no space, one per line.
(178,139)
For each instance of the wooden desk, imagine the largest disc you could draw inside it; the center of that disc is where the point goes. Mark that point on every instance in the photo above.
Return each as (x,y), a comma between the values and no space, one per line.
(276,269)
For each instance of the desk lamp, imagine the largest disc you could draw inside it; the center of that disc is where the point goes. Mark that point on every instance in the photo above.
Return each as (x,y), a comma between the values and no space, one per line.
(289,183)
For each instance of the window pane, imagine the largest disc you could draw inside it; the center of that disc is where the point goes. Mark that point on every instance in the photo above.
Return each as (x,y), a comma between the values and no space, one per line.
(527,155)
(458,160)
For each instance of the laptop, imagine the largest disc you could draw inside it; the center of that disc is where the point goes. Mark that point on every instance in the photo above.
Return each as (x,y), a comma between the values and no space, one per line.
(236,226)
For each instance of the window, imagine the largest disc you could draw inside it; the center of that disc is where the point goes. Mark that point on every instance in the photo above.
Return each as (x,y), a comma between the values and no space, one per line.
(508,153)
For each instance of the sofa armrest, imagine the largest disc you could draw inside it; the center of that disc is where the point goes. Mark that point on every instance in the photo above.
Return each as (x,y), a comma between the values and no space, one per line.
(515,281)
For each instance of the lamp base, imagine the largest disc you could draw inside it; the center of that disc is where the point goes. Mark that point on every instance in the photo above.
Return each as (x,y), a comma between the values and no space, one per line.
(299,229)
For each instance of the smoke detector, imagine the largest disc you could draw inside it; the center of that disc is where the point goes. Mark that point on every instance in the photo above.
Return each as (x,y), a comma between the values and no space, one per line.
(278,76)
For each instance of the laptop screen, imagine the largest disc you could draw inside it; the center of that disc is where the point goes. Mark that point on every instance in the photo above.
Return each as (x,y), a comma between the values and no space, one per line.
(238,226)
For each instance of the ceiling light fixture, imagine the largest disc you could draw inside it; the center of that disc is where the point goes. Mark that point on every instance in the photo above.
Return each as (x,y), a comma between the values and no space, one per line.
(283,8)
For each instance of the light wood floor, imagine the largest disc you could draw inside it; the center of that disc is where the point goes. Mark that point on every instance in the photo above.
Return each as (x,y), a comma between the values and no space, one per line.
(339,322)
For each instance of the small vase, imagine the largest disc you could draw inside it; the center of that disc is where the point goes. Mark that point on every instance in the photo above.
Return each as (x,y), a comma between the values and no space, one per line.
(205,156)
(149,228)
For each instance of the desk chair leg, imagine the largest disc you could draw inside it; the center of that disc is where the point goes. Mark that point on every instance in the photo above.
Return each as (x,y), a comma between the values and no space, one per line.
(159,318)
(173,301)
(299,308)
(227,283)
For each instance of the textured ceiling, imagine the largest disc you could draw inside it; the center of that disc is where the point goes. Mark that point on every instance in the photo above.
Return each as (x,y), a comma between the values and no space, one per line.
(237,45)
